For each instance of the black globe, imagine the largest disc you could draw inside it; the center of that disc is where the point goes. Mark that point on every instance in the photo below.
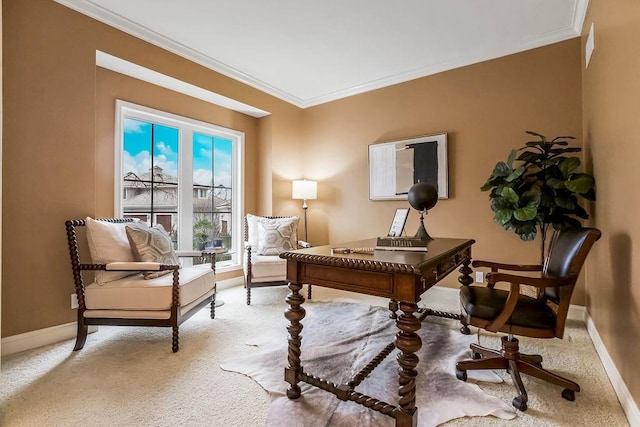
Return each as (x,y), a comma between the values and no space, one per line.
(423,196)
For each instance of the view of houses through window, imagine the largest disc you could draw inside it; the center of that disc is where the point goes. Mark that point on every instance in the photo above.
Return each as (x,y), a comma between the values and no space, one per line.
(182,175)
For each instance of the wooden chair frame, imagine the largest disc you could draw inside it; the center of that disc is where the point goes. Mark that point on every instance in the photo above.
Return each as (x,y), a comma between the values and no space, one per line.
(175,319)
(248,283)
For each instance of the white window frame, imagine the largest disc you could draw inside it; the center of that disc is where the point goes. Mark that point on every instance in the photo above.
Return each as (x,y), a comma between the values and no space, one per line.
(187,127)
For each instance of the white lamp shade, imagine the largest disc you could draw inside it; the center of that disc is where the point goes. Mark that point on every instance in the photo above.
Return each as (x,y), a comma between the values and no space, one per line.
(303,189)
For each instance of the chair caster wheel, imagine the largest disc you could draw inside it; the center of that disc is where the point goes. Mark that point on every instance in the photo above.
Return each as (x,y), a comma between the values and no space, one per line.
(465,330)
(568,394)
(518,404)
(476,355)
(461,375)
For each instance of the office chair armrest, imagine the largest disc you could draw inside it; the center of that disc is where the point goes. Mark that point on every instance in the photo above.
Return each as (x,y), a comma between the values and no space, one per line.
(538,282)
(514,292)
(495,266)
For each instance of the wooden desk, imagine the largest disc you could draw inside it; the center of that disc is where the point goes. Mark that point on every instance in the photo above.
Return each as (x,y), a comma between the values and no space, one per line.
(401,276)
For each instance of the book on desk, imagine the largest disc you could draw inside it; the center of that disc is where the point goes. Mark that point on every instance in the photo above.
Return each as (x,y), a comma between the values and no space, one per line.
(402,244)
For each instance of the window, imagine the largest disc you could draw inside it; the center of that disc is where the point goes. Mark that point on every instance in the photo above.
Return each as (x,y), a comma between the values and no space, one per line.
(183,174)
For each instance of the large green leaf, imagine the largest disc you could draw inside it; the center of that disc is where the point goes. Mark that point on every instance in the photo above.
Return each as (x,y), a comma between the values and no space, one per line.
(503,216)
(565,203)
(515,174)
(568,165)
(580,183)
(525,213)
(555,183)
(511,158)
(510,196)
(529,156)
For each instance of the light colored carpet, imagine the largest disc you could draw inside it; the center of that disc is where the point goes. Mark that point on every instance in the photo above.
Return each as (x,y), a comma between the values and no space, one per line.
(338,340)
(130,377)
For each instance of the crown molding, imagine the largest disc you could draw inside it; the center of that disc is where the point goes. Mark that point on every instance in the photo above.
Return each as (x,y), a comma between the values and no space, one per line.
(579,14)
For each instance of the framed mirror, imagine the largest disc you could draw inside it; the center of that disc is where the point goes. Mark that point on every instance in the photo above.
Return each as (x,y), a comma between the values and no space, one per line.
(395,166)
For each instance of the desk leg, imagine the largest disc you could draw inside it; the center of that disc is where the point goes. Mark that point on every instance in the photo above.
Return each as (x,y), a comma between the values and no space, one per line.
(465,279)
(294,314)
(408,342)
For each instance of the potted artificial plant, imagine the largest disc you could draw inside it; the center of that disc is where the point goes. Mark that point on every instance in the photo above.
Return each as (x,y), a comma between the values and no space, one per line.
(540,186)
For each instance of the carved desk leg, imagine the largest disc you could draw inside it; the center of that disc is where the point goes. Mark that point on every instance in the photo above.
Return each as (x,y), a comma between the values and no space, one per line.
(408,342)
(465,279)
(294,314)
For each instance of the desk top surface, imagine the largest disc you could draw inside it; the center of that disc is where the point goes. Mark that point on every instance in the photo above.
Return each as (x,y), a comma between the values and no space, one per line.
(437,250)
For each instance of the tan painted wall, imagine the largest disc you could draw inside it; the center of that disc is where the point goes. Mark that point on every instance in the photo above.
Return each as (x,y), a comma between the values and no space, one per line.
(484,108)
(58,156)
(611,108)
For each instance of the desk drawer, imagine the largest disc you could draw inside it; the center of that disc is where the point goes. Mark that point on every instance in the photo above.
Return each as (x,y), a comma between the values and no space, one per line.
(366,282)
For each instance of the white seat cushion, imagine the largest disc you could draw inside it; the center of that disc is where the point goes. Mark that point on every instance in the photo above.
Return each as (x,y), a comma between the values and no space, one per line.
(136,293)
(267,268)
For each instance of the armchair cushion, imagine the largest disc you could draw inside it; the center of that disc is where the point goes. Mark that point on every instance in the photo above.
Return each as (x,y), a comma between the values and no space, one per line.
(266,268)
(487,303)
(134,293)
(108,243)
(152,244)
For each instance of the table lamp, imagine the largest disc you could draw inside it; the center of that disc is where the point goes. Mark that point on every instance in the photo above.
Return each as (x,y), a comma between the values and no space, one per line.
(304,190)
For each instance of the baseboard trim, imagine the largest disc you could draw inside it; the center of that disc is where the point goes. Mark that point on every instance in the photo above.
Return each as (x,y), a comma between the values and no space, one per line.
(624,396)
(230,283)
(40,337)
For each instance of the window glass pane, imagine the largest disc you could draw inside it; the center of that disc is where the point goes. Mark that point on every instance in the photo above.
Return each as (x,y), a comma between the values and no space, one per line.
(212,176)
(150,173)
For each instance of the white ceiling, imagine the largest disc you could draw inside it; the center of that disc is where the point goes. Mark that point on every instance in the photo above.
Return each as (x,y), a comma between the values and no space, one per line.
(312,51)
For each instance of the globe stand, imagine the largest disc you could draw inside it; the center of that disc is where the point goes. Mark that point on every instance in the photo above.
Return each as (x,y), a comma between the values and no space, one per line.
(422,232)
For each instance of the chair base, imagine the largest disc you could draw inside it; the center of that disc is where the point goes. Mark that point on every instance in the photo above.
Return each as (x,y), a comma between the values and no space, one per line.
(514,362)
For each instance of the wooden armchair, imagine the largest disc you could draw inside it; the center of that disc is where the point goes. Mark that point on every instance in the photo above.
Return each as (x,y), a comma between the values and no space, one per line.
(497,310)
(138,280)
(265,238)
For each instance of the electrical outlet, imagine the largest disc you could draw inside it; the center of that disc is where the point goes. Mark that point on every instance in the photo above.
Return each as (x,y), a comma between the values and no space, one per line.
(479,277)
(74,301)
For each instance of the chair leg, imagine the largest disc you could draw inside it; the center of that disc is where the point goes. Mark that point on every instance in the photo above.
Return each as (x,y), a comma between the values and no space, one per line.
(81,337)
(483,364)
(174,340)
(534,359)
(543,374)
(484,351)
(519,402)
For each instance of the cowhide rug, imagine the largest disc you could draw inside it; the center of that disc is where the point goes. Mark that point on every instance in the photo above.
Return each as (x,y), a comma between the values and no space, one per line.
(338,340)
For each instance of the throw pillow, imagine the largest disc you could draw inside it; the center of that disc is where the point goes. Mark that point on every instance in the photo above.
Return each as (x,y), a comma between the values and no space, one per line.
(152,244)
(108,243)
(275,237)
(253,237)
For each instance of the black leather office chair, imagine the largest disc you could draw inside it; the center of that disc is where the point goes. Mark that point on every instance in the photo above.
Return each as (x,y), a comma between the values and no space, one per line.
(512,312)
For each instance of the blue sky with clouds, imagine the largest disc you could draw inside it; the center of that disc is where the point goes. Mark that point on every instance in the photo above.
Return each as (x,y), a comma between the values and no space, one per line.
(137,152)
